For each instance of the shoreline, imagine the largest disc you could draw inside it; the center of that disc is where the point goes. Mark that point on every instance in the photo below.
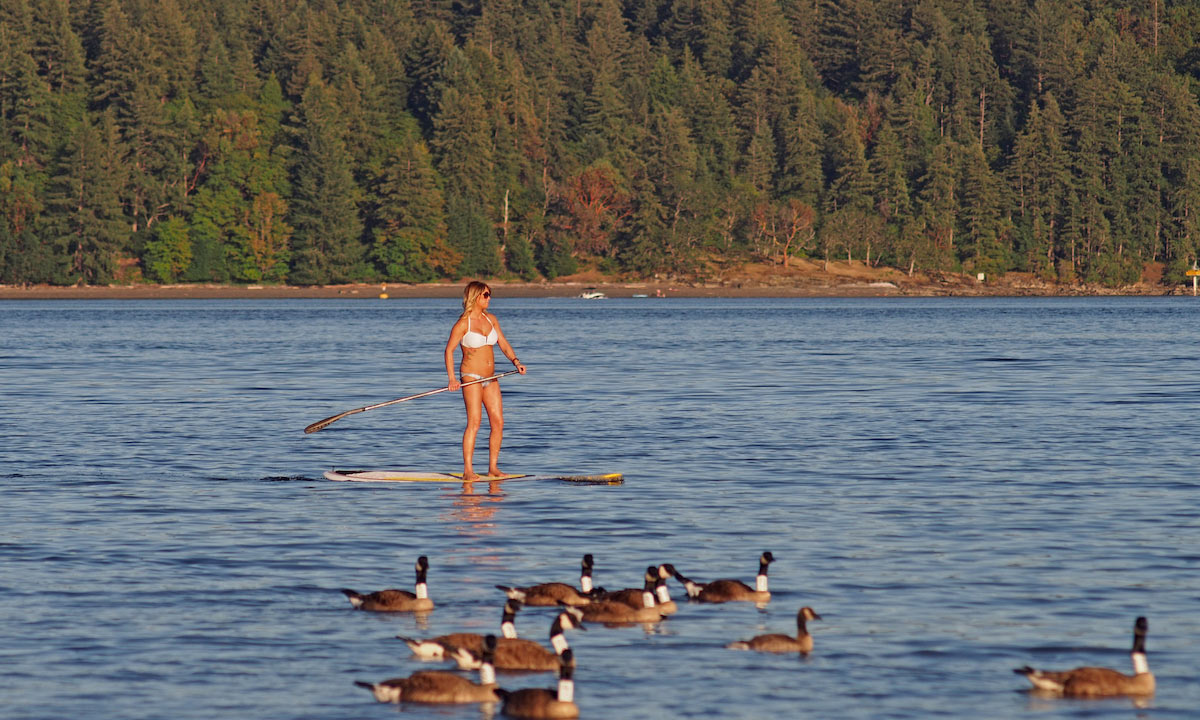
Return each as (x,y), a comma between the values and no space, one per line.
(803,279)
(551,290)
(431,290)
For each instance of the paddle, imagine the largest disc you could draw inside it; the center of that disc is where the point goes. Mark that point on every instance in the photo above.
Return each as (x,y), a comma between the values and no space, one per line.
(322,424)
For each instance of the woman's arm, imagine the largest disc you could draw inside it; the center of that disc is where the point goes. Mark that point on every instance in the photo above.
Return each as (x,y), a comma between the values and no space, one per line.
(456,336)
(505,347)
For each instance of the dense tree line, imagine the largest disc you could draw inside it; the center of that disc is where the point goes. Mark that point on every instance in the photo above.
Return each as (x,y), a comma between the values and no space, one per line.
(320,141)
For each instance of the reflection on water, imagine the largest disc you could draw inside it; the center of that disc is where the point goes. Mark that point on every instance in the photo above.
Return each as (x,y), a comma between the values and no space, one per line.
(472,511)
(1047,701)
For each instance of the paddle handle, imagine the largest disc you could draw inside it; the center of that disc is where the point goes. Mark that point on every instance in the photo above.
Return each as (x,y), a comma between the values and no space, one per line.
(322,424)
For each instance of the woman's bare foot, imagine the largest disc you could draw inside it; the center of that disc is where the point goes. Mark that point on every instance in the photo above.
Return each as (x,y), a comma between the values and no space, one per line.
(495,472)
(469,476)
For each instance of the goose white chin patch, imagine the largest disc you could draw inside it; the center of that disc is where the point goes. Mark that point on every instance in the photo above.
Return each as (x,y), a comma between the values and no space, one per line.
(559,643)
(1140,664)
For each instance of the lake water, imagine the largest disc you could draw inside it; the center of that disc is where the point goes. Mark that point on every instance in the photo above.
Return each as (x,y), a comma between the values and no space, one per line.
(958,486)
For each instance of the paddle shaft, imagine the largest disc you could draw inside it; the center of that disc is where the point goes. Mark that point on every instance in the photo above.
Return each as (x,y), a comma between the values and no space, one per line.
(322,424)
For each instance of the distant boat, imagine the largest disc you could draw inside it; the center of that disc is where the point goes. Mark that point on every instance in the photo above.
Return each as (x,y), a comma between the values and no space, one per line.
(592,294)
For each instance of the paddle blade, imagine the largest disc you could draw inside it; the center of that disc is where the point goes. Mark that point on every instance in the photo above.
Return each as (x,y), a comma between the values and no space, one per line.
(322,424)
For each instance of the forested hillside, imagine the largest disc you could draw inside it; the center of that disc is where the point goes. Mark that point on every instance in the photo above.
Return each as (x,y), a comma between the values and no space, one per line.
(323,141)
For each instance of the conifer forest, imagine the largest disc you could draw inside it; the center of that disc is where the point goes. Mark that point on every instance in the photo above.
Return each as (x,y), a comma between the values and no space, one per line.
(326,141)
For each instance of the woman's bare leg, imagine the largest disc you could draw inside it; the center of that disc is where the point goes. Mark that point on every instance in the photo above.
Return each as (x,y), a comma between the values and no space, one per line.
(495,411)
(472,398)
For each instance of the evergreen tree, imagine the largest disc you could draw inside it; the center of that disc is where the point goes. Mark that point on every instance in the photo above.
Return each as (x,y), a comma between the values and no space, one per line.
(23,257)
(409,222)
(472,235)
(889,176)
(714,46)
(87,225)
(605,124)
(852,181)
(645,236)
(801,174)
(424,65)
(462,140)
(939,205)
(1040,181)
(979,212)
(519,259)
(326,244)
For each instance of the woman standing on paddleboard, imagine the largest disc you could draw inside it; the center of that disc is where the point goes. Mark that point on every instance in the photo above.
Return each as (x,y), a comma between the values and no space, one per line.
(476,332)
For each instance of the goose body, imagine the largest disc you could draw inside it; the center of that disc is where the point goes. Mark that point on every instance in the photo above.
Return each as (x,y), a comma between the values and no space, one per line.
(434,686)
(1086,682)
(728,590)
(802,642)
(539,703)
(555,593)
(613,611)
(520,653)
(396,600)
(437,648)
(633,597)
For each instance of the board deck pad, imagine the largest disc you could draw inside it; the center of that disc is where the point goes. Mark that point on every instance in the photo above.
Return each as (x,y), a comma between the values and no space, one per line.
(400,476)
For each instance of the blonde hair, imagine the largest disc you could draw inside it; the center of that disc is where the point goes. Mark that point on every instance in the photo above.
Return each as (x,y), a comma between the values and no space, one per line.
(471,295)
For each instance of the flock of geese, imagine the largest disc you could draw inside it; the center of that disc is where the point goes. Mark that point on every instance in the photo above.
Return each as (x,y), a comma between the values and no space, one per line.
(650,603)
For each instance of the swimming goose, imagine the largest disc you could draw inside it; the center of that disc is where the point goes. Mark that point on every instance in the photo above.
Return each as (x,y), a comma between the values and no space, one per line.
(553,593)
(396,600)
(611,611)
(436,648)
(435,686)
(1098,681)
(780,643)
(719,591)
(520,653)
(538,703)
(633,597)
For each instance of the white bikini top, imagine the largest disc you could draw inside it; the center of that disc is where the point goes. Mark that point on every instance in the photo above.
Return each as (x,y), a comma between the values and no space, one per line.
(474,340)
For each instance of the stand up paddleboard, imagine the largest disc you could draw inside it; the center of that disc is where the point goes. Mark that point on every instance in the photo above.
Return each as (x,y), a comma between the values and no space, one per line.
(401,476)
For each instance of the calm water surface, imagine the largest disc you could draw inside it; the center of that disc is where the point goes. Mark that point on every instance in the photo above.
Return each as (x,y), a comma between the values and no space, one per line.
(958,486)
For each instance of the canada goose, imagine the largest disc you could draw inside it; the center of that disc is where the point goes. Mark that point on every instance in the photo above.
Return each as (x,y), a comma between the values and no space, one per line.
(435,686)
(553,593)
(396,600)
(540,703)
(611,611)
(435,648)
(780,643)
(633,597)
(719,591)
(1098,681)
(523,654)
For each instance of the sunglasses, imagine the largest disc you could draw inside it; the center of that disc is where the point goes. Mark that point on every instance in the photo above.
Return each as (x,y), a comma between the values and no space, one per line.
(487,294)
